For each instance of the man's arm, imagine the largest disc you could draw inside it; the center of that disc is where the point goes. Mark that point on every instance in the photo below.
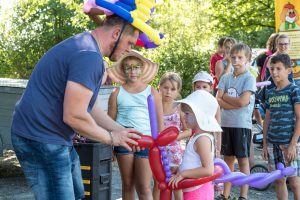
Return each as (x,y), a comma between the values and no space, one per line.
(240,101)
(104,120)
(223,104)
(76,101)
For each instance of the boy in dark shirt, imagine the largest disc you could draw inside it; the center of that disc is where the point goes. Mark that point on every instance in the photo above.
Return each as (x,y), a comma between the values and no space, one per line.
(282,126)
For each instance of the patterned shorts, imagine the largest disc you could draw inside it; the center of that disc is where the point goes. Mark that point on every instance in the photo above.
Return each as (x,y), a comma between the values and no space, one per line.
(276,155)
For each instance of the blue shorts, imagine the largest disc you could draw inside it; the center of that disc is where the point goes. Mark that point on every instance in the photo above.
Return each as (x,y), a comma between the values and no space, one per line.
(119,150)
(52,171)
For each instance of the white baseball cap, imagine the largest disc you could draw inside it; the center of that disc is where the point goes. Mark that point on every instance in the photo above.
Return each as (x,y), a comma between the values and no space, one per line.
(203,76)
(204,106)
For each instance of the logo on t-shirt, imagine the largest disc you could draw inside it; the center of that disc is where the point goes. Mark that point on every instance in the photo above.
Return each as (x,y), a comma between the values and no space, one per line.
(232,92)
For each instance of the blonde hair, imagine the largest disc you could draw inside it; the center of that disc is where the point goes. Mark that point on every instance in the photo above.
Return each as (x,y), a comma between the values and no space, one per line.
(282,36)
(271,43)
(241,47)
(172,77)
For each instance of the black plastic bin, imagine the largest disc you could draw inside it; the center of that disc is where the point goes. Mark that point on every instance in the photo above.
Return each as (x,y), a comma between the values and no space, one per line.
(95,163)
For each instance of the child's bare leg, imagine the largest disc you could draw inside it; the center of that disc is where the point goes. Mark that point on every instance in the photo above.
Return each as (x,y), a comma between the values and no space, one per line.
(178,194)
(244,167)
(230,162)
(155,191)
(142,178)
(294,183)
(126,163)
(251,158)
(281,189)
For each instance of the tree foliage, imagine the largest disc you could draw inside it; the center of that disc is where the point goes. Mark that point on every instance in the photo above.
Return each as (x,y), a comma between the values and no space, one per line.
(251,22)
(34,26)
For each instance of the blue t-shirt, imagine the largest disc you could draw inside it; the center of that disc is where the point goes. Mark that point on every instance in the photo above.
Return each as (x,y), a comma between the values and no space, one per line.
(39,113)
(282,116)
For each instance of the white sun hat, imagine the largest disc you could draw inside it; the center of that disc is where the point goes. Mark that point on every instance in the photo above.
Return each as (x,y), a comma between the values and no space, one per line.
(204,106)
(203,76)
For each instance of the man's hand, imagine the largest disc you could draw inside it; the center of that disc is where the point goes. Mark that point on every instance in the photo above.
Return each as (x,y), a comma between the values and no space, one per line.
(125,137)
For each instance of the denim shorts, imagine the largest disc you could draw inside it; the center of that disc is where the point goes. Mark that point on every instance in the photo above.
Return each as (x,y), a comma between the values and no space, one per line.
(52,171)
(119,150)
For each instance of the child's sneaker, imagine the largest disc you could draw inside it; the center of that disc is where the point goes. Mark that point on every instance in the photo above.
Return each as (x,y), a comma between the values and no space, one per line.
(221,197)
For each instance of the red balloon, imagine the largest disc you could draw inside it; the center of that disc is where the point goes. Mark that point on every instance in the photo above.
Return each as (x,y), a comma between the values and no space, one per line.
(156,165)
(139,43)
(165,194)
(191,182)
(163,186)
(167,136)
(146,141)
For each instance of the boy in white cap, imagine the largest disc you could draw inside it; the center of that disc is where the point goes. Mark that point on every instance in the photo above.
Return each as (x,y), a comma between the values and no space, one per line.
(199,153)
(203,81)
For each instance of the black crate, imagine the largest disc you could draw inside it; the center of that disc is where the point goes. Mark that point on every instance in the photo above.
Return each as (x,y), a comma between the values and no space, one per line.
(99,189)
(95,161)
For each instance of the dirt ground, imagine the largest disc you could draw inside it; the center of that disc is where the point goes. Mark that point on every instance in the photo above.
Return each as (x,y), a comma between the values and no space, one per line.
(13,185)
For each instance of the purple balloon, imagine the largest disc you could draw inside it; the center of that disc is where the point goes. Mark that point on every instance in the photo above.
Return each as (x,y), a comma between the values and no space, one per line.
(152,116)
(163,154)
(256,180)
(168,174)
(148,44)
(154,133)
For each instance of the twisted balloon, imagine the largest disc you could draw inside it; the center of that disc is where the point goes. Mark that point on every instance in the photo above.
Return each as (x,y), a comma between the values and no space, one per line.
(136,12)
(256,180)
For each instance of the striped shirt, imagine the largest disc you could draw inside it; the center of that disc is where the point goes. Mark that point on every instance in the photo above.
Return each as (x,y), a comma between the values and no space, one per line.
(282,115)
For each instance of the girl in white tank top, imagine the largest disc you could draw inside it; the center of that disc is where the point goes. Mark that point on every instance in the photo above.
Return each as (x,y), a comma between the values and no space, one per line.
(200,109)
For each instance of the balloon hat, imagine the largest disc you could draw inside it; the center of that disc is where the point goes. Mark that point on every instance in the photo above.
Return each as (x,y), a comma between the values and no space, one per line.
(161,171)
(136,12)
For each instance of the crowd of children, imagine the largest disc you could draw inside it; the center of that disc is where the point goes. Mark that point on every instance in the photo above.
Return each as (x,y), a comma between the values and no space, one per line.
(217,126)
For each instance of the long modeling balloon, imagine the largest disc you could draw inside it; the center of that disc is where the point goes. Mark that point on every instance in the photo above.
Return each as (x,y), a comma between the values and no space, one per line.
(262,84)
(154,132)
(256,180)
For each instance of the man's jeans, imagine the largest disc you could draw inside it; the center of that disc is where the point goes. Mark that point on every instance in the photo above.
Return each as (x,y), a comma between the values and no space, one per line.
(52,171)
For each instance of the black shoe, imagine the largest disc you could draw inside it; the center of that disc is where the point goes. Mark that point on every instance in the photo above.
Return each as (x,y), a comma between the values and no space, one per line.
(222,197)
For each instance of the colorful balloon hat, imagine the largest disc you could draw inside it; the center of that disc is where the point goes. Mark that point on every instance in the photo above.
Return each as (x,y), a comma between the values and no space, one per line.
(136,12)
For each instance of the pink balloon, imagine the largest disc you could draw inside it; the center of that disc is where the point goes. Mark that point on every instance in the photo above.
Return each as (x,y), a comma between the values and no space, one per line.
(264,83)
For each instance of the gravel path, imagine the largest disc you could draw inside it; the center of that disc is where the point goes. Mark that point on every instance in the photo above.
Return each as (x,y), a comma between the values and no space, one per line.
(13,185)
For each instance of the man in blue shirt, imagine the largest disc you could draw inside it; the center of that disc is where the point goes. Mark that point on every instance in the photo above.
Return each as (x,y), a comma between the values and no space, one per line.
(62,97)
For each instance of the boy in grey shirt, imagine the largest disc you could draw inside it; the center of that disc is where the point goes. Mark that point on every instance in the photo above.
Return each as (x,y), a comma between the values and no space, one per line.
(236,98)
